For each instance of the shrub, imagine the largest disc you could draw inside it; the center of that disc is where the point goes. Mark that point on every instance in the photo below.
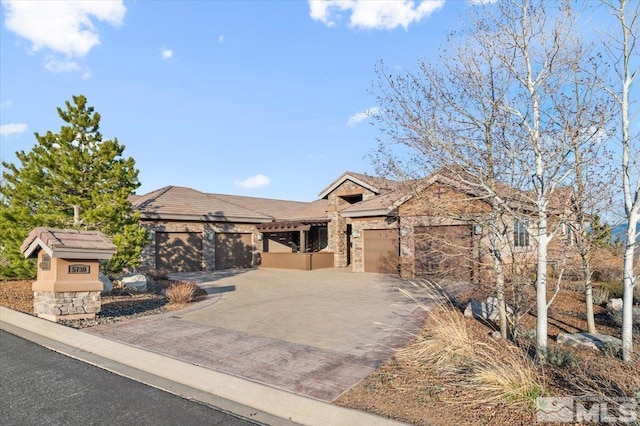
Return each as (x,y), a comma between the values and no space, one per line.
(158,274)
(181,292)
(600,295)
(612,349)
(615,289)
(561,357)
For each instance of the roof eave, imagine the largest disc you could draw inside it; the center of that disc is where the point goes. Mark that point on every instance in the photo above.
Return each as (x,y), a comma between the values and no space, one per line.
(203,218)
(366,213)
(36,244)
(71,253)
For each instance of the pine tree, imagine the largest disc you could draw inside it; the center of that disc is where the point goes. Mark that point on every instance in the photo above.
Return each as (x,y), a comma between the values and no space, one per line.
(70,179)
(600,233)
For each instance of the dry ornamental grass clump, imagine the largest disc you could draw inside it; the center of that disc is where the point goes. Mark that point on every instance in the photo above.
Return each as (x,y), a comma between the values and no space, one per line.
(501,372)
(181,292)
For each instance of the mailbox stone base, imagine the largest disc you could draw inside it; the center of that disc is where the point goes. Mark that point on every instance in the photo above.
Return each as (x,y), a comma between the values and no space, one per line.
(68,305)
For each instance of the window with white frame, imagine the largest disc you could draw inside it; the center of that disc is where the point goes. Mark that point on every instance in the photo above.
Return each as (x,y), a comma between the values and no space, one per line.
(520,234)
(569,233)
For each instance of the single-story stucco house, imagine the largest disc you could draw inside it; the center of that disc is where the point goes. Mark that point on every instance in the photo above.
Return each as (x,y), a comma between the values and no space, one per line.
(369,224)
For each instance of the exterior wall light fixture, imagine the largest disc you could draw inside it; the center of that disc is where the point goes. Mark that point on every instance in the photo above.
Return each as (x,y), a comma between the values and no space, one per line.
(355,234)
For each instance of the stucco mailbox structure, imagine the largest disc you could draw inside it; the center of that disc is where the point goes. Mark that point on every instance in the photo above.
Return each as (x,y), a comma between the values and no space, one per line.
(67,286)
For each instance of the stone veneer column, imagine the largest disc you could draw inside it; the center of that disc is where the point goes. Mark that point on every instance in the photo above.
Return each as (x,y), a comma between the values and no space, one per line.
(337,239)
(70,305)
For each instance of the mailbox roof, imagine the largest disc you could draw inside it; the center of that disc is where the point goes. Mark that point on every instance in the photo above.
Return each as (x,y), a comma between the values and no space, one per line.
(68,243)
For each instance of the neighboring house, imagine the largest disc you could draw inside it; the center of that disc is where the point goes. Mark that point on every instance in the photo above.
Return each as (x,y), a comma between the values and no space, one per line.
(370,224)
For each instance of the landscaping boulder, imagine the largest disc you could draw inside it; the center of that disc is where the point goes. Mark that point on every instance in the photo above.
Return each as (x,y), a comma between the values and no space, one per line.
(107,285)
(134,282)
(588,340)
(614,305)
(487,310)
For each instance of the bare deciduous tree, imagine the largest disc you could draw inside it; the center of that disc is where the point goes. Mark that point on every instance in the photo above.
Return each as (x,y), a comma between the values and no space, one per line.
(584,116)
(490,109)
(623,48)
(449,115)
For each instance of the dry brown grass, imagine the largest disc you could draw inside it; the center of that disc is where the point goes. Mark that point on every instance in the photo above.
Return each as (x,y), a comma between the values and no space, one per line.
(181,292)
(447,346)
(510,377)
(500,371)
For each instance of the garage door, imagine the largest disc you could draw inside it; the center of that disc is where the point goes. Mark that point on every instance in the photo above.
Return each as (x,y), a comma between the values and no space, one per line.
(179,251)
(233,251)
(443,252)
(381,250)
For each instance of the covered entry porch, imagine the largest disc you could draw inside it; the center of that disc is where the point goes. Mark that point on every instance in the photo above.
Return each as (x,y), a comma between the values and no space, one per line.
(295,245)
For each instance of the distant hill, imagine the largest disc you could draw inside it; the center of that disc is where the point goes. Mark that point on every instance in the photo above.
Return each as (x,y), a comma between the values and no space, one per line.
(619,232)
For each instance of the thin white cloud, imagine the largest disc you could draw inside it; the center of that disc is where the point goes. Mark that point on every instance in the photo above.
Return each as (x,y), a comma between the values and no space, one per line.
(251,182)
(221,38)
(6,104)
(57,66)
(65,27)
(382,14)
(166,53)
(362,116)
(13,129)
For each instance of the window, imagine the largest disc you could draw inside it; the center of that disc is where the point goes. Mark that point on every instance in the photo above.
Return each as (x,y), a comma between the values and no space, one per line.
(520,234)
(352,199)
(571,236)
(323,238)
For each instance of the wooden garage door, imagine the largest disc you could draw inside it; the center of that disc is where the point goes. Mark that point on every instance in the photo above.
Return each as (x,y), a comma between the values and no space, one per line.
(233,251)
(381,251)
(443,252)
(179,251)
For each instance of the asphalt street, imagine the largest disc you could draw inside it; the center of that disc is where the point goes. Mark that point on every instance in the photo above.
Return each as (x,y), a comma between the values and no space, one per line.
(39,386)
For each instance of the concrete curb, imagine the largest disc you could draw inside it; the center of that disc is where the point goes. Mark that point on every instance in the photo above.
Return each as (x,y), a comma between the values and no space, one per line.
(274,402)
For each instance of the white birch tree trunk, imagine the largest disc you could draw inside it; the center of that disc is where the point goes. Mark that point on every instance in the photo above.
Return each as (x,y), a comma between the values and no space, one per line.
(628,45)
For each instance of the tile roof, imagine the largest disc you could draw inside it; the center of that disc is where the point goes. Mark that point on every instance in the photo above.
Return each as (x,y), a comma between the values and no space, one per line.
(312,211)
(277,209)
(180,203)
(176,202)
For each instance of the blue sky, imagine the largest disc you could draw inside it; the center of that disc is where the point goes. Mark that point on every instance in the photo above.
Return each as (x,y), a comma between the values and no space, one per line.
(264,99)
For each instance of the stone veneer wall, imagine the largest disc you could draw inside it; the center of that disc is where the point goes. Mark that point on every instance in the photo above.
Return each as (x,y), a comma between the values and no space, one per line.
(148,255)
(360,225)
(66,305)
(337,228)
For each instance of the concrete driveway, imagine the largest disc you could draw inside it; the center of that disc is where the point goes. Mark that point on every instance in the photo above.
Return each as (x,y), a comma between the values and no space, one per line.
(316,333)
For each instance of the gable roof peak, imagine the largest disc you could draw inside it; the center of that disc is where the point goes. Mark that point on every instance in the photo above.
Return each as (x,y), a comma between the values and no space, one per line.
(375,184)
